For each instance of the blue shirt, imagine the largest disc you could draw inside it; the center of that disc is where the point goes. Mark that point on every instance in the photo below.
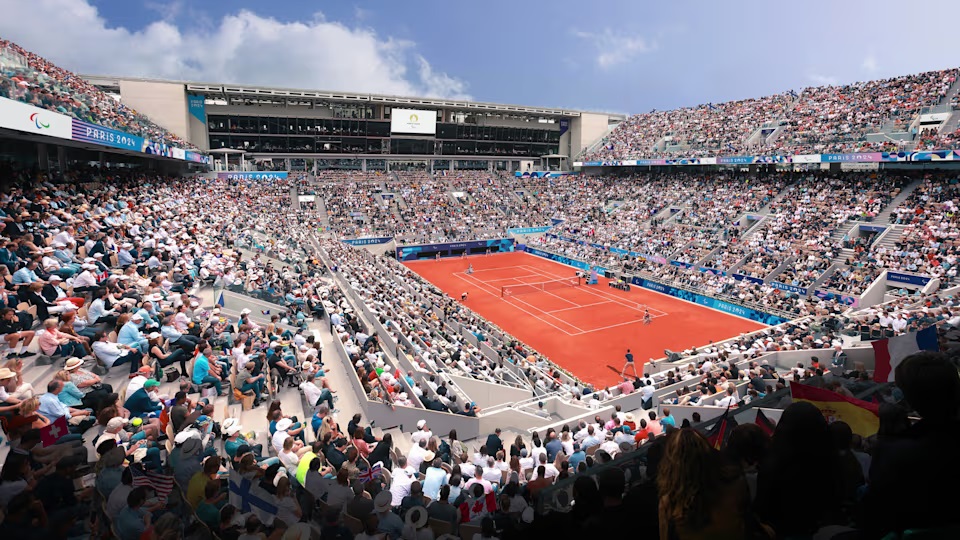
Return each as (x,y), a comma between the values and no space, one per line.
(576,458)
(52,407)
(170,333)
(201,368)
(24,276)
(129,523)
(129,334)
(70,396)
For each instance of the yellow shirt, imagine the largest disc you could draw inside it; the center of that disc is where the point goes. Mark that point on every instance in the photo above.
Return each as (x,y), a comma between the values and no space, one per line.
(196,487)
(303,466)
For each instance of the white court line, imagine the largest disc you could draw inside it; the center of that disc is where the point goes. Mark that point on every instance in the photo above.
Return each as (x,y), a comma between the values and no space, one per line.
(500,279)
(493,269)
(607,327)
(578,307)
(592,291)
(502,299)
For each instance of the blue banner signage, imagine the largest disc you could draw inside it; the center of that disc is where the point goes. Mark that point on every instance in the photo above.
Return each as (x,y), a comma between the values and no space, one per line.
(92,133)
(528,230)
(789,288)
(909,279)
(254,175)
(710,302)
(858,157)
(367,241)
(562,259)
(425,251)
(197,107)
(751,279)
(841,298)
(872,228)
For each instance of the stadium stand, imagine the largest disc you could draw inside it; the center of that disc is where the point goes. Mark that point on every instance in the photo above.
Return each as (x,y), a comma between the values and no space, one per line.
(821,119)
(32,79)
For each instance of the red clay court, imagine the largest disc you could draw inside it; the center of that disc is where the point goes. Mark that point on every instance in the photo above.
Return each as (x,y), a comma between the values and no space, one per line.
(582,328)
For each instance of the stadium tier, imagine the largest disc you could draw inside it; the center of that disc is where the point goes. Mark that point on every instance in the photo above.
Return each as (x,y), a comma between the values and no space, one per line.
(352,332)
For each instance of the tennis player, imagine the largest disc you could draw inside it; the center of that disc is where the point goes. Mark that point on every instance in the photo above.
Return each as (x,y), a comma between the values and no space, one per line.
(629,363)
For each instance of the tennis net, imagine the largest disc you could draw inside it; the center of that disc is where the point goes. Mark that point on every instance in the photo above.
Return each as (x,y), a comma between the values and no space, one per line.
(525,288)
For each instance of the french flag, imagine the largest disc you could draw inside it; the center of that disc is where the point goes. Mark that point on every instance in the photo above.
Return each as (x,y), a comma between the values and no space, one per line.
(888,353)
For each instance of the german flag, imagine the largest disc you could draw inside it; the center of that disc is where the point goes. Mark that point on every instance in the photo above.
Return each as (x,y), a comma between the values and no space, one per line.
(765,423)
(718,434)
(862,416)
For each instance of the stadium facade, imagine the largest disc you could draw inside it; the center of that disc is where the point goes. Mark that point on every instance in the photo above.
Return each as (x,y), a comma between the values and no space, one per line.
(306,129)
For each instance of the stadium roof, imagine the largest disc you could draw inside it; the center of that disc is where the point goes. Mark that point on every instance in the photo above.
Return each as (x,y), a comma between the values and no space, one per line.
(240,91)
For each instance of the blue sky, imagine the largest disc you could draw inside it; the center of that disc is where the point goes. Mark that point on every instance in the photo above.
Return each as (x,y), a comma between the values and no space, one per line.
(621,56)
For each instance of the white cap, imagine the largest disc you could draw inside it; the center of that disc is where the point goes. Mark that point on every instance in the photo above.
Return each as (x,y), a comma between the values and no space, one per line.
(421,423)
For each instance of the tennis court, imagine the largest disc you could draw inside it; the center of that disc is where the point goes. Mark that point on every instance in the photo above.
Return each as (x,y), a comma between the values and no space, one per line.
(583,328)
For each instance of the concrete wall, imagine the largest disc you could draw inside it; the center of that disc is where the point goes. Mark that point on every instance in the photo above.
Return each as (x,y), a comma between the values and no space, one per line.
(875,292)
(165,103)
(585,130)
(685,412)
(486,394)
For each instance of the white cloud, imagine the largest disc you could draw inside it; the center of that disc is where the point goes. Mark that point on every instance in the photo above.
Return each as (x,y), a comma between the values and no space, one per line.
(614,48)
(822,80)
(870,64)
(242,47)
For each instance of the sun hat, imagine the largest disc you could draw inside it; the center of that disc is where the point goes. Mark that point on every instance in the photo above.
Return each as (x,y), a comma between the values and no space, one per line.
(73,363)
(284,424)
(417,517)
(383,502)
(5,374)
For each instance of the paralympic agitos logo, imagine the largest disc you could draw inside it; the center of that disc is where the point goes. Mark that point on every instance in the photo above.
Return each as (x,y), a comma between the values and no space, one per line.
(35,118)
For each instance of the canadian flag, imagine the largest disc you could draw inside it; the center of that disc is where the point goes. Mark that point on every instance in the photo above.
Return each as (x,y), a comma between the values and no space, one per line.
(50,434)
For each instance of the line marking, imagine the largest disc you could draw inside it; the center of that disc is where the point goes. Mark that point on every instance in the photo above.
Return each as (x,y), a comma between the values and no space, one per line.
(483,288)
(499,279)
(578,307)
(597,293)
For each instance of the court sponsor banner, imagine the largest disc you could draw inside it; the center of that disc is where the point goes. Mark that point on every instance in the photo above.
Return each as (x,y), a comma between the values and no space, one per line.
(413,253)
(254,175)
(710,302)
(735,160)
(368,241)
(22,117)
(909,279)
(788,288)
(578,264)
(92,133)
(528,230)
(852,301)
(680,264)
(863,157)
(708,161)
(806,158)
(872,228)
